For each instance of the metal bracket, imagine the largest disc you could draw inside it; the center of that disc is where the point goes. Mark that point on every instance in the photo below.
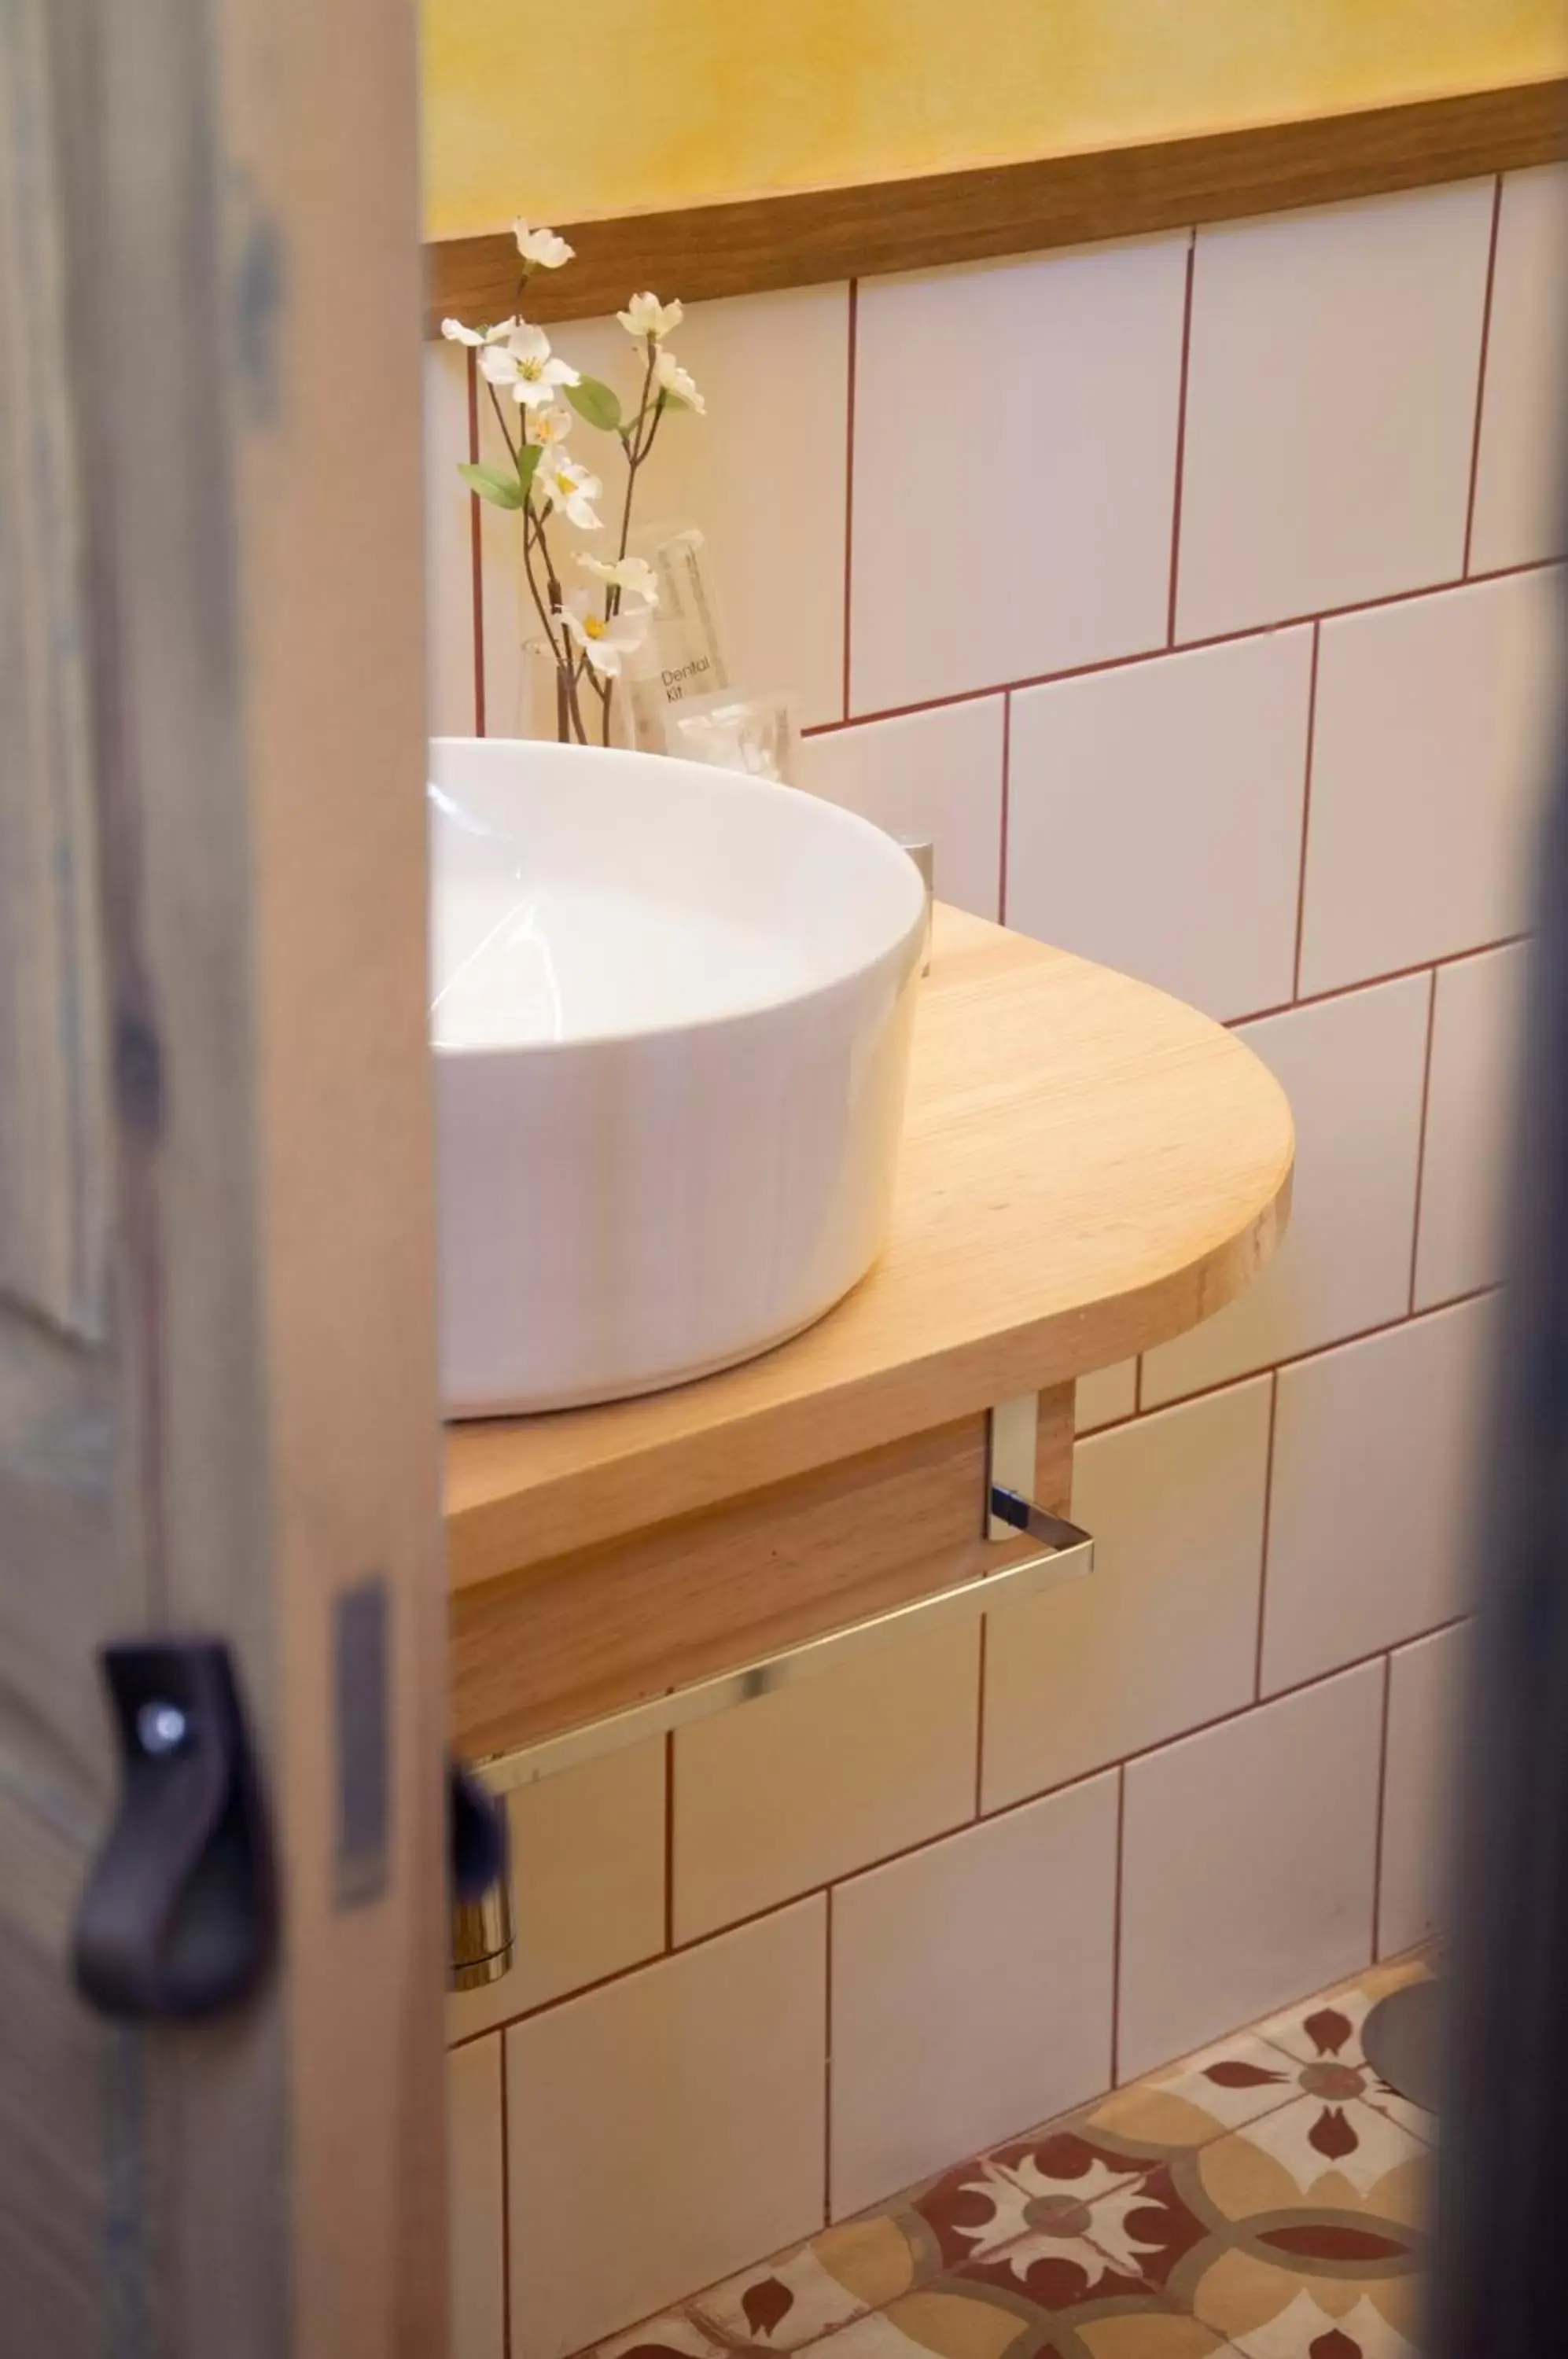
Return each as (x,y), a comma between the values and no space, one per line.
(1068,1554)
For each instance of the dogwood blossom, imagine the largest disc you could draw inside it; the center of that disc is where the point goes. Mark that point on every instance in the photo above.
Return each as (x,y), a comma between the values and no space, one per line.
(632,575)
(546,426)
(542,247)
(605,642)
(561,482)
(526,364)
(456,333)
(645,315)
(670,378)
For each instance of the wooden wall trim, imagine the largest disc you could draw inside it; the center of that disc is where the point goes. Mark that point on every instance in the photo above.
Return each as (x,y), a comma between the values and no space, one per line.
(815,236)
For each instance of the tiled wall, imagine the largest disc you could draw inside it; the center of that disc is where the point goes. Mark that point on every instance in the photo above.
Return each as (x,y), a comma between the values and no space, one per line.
(1196,595)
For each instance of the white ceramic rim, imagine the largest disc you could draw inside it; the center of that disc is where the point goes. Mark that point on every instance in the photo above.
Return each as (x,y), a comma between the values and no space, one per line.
(909,938)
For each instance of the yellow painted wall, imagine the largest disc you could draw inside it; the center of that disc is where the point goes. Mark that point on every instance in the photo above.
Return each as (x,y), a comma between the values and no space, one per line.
(564,111)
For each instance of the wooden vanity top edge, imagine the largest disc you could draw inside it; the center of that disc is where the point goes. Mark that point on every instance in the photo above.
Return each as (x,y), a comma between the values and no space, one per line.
(963,1312)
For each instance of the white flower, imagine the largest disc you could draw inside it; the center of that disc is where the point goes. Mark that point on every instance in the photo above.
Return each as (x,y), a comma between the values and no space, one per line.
(561,482)
(645,315)
(604,643)
(669,374)
(541,247)
(456,333)
(546,426)
(526,363)
(632,575)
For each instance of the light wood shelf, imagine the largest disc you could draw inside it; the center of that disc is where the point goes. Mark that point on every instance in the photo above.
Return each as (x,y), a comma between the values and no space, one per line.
(1089,1168)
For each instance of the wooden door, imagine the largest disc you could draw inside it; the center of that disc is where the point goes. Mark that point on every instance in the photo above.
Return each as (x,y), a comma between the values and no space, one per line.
(217,1408)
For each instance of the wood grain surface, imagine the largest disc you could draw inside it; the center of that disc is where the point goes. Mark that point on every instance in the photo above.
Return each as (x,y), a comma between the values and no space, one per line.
(809,237)
(553,1645)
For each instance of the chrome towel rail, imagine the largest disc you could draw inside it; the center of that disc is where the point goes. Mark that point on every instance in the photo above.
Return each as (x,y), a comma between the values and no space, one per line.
(1068,1554)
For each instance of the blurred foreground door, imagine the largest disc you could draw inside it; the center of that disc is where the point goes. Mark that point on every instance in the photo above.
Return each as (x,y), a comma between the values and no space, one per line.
(217,1411)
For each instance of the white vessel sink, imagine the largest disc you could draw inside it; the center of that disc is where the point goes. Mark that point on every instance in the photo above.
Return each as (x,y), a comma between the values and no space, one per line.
(670,1013)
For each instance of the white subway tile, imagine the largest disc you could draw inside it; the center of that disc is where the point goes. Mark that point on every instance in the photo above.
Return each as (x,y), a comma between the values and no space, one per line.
(1474,1046)
(1352,1069)
(666,2130)
(1369,1535)
(1519,506)
(1424,1705)
(587,1883)
(1331,406)
(476,2222)
(449,563)
(1015,442)
(1248,1866)
(1143,799)
(1434,719)
(1105,1396)
(934,777)
(971,1991)
(808,1784)
(1163,1631)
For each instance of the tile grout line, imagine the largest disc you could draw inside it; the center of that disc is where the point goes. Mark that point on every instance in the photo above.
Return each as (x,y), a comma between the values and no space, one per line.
(1116,1930)
(477,556)
(950,1834)
(1320,1350)
(1180,437)
(669,1842)
(1420,1137)
(1306,811)
(1007,808)
(1374,982)
(506,2205)
(1158,653)
(985,1650)
(852,357)
(1481,370)
(827,2056)
(1268,1516)
(1382,1807)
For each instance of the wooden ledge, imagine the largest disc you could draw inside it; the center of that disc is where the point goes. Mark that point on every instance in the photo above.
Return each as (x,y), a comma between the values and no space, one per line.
(812,236)
(1089,1168)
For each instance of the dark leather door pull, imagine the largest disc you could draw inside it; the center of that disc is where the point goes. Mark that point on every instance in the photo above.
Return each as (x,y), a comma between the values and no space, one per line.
(178,1917)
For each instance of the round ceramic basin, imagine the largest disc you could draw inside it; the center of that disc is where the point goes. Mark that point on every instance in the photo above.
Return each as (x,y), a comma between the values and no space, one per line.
(671,1012)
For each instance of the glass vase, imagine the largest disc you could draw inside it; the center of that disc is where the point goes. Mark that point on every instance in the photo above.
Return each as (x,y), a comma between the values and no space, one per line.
(572,713)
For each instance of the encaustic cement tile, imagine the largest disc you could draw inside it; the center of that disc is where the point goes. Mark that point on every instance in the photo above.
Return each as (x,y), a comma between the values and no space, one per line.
(951,2321)
(1323,2037)
(1312,2213)
(1190,2104)
(820,2287)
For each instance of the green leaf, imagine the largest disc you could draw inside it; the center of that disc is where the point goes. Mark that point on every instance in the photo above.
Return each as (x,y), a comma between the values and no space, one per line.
(597,403)
(528,459)
(501,490)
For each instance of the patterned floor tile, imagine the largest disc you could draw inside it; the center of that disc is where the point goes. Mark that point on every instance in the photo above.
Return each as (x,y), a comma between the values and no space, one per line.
(1190,2103)
(1314,2212)
(822,2286)
(1323,2037)
(962,2321)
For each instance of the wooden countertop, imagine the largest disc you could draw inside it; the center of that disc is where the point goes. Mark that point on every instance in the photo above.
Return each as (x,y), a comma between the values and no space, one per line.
(1088,1167)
